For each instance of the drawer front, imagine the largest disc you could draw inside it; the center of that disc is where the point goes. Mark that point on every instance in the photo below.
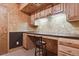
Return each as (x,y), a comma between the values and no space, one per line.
(62,54)
(75,41)
(68,50)
(70,44)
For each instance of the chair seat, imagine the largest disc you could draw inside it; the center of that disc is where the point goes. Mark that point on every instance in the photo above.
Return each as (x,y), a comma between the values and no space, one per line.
(40,43)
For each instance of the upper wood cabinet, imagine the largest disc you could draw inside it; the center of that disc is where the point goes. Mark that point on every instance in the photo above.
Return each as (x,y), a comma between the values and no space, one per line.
(70,9)
(56,9)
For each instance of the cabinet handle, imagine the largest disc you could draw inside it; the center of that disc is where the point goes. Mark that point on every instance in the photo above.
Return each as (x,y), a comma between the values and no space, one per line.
(69,43)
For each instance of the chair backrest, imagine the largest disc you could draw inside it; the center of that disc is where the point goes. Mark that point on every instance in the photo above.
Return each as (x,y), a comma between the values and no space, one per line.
(38,38)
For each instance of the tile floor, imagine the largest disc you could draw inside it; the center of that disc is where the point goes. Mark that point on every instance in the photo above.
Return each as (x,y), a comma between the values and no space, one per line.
(20,52)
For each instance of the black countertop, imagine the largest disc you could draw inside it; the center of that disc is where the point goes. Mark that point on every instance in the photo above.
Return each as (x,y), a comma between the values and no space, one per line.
(63,35)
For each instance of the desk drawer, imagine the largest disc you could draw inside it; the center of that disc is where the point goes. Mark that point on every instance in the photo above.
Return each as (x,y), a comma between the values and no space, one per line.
(68,50)
(70,44)
(62,54)
(74,41)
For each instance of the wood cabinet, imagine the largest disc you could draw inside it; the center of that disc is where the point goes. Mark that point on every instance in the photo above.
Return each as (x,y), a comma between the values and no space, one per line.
(25,40)
(60,53)
(52,44)
(56,45)
(69,50)
(70,9)
(63,46)
(68,47)
(58,8)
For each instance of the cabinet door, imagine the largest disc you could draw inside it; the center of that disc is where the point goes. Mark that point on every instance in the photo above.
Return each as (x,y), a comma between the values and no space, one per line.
(56,8)
(66,9)
(25,45)
(78,9)
(62,7)
(69,50)
(32,20)
(68,46)
(71,10)
(62,54)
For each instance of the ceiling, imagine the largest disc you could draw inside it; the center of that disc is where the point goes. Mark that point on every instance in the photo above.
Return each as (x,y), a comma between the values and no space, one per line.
(31,8)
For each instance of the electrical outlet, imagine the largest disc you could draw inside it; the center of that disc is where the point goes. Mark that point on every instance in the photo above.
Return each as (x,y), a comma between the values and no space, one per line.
(17,43)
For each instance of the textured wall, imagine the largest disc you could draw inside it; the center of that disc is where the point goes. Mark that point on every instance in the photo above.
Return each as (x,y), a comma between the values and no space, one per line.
(3,29)
(17,20)
(11,20)
(57,24)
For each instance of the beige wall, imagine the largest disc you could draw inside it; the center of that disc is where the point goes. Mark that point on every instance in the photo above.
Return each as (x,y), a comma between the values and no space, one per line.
(17,20)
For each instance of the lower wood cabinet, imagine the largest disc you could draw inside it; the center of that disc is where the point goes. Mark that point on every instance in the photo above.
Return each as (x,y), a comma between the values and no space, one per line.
(68,47)
(69,50)
(24,40)
(60,53)
(58,46)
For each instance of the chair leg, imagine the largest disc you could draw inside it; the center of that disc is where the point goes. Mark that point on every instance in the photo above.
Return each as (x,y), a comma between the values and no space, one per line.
(45,50)
(42,50)
(35,51)
(39,51)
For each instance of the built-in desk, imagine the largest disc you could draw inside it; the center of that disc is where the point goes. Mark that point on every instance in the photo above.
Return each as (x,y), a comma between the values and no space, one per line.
(58,45)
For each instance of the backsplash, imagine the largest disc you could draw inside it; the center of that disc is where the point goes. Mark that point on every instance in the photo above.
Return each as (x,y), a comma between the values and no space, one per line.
(17,20)
(57,24)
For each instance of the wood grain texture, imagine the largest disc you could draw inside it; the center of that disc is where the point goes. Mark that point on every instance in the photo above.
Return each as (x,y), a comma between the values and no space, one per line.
(33,8)
(55,45)
(52,45)
(10,19)
(25,45)
(3,30)
(68,46)
(27,41)
(18,21)
(60,53)
(69,50)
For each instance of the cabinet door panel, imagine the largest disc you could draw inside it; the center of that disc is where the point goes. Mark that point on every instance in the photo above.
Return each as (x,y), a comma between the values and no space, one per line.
(71,13)
(56,8)
(62,54)
(68,50)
